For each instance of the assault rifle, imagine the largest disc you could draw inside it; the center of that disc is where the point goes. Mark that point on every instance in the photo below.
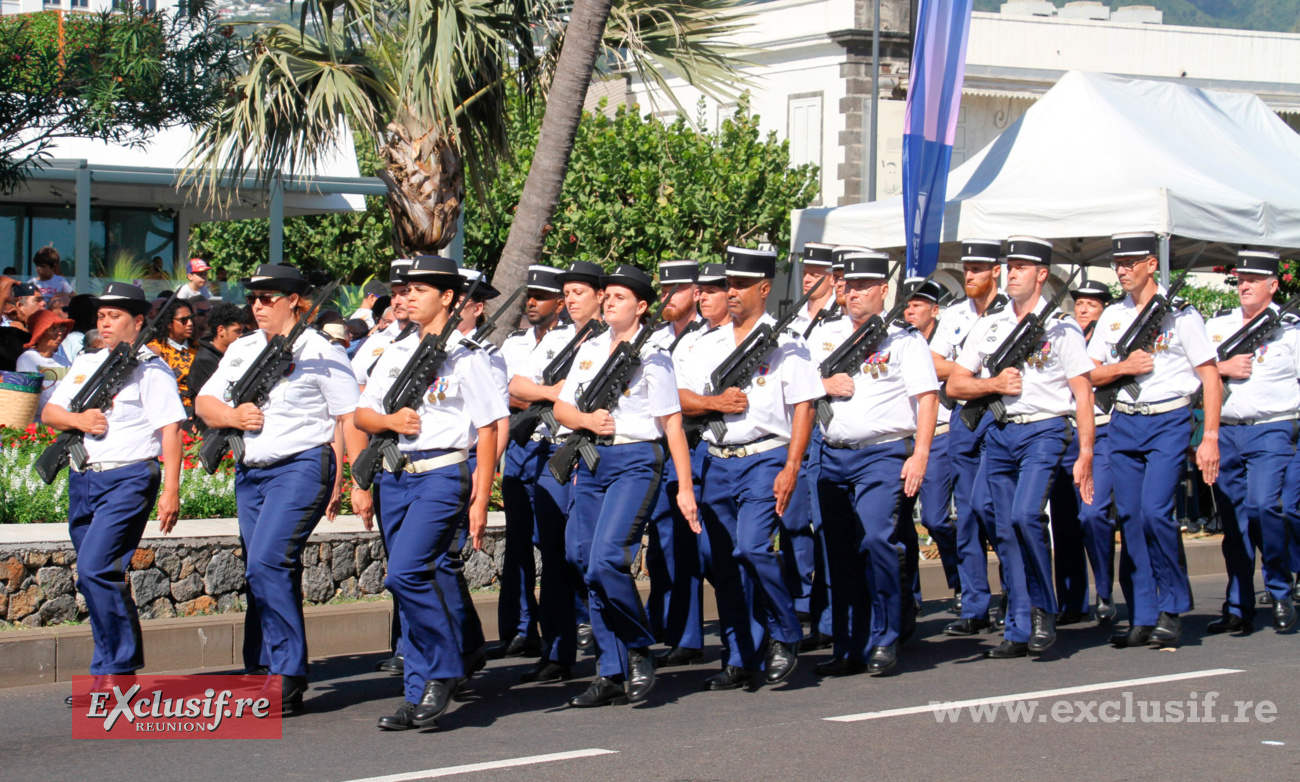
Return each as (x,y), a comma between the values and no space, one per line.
(69,447)
(1023,340)
(1140,335)
(257,383)
(864,341)
(1256,331)
(490,325)
(407,391)
(603,394)
(738,368)
(524,422)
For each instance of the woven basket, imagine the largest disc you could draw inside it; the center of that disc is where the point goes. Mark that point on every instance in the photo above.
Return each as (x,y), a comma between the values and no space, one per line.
(19,394)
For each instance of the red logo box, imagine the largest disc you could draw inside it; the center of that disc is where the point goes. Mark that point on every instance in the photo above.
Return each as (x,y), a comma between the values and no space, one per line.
(176,707)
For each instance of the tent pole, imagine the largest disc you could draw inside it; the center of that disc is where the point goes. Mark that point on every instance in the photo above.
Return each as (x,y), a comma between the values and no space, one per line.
(81,241)
(276,254)
(1164,260)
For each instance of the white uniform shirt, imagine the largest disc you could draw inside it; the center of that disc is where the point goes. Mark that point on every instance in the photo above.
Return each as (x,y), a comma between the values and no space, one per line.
(884,391)
(1062,355)
(535,364)
(1271,388)
(463,398)
(519,348)
(787,378)
(1181,346)
(371,349)
(685,347)
(955,326)
(147,402)
(498,362)
(804,318)
(300,411)
(651,391)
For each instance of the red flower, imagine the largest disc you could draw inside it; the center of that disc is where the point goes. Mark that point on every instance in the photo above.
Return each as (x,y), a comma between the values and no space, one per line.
(1287,277)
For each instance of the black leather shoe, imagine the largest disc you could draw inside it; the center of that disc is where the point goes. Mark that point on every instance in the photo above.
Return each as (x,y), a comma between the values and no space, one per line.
(1295,591)
(1070,618)
(1007,650)
(967,626)
(816,640)
(1266,599)
(602,692)
(882,659)
(474,662)
(292,688)
(404,719)
(547,671)
(434,702)
(677,656)
(1043,634)
(518,646)
(839,666)
(586,639)
(1283,615)
(956,602)
(1106,609)
(641,674)
(1229,623)
(731,678)
(255,670)
(1136,635)
(782,659)
(1168,630)
(395,664)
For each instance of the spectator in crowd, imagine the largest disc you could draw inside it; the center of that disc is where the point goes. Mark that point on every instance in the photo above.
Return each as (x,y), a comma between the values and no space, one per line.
(178,348)
(42,356)
(228,323)
(47,279)
(196,271)
(58,304)
(385,319)
(10,272)
(373,291)
(12,339)
(25,301)
(81,310)
(92,343)
(202,308)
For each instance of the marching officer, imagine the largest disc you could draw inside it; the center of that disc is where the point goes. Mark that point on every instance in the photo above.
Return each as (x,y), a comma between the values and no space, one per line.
(611,503)
(423,503)
(750,475)
(935,496)
(979,260)
(373,346)
(1149,436)
(816,261)
(1257,440)
(1023,449)
(1083,533)
(290,475)
(673,556)
(873,453)
(110,501)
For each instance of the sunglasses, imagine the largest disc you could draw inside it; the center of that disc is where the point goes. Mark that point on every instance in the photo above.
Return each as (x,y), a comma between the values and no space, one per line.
(185,319)
(266,299)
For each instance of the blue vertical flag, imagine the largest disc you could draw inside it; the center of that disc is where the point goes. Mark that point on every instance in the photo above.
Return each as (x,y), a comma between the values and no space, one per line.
(933,96)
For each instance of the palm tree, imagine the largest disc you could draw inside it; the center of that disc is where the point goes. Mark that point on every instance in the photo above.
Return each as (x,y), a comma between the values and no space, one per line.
(427,79)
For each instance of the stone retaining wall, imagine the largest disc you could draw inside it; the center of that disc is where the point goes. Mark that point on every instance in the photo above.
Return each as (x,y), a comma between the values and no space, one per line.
(196,576)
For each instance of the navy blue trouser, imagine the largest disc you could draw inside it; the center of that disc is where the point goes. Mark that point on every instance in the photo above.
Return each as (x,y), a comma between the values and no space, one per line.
(460,601)
(935,497)
(517,606)
(422,516)
(1291,504)
(798,544)
(1252,465)
(860,493)
(1147,453)
(610,510)
(820,601)
(975,530)
(560,603)
(279,506)
(1083,534)
(673,562)
(1022,461)
(739,515)
(107,514)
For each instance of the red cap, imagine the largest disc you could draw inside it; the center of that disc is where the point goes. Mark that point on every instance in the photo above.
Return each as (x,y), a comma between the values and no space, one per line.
(197,265)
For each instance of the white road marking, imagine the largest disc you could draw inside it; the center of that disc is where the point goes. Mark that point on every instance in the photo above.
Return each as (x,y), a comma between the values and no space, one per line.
(434,773)
(1039,694)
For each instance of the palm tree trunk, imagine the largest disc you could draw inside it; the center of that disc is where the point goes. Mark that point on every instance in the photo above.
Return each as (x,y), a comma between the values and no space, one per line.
(541,193)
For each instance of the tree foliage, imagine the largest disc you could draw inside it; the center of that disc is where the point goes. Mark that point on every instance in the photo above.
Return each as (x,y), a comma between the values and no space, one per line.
(115,76)
(639,191)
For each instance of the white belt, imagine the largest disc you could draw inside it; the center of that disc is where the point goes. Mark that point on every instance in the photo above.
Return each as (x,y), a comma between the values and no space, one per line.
(735,451)
(1272,419)
(429,465)
(1097,419)
(941,427)
(1142,408)
(870,441)
(106,466)
(1029,418)
(538,437)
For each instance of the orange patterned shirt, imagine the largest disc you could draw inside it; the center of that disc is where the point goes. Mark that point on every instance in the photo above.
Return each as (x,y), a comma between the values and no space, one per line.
(179,360)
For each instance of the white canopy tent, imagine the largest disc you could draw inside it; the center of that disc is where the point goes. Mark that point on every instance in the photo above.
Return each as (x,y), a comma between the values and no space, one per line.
(1098,155)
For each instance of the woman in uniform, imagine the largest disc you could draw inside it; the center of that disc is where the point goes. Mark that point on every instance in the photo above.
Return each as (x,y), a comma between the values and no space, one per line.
(289,477)
(109,502)
(611,506)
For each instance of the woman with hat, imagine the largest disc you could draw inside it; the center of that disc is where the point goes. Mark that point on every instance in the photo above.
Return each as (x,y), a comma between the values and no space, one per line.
(289,476)
(42,356)
(610,506)
(110,501)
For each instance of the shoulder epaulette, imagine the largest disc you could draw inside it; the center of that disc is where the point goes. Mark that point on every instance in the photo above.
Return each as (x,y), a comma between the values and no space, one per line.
(1059,315)
(1224,311)
(1180,304)
(517,333)
(411,328)
(1291,318)
(997,306)
(470,344)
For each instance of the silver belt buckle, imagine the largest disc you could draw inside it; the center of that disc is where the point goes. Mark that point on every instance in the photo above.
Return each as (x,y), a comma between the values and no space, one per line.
(536,437)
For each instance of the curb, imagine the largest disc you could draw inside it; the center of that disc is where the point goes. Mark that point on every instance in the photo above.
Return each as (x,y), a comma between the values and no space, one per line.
(56,654)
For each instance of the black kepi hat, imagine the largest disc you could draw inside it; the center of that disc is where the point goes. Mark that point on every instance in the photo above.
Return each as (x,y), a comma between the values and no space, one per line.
(1258,262)
(869,265)
(838,253)
(818,254)
(277,277)
(543,278)
(395,270)
(1091,289)
(754,264)
(434,270)
(484,291)
(124,296)
(634,279)
(713,274)
(921,288)
(582,271)
(980,251)
(678,272)
(1029,248)
(1134,245)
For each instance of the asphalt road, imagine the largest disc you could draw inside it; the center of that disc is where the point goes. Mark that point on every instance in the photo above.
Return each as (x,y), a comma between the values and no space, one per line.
(682,733)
